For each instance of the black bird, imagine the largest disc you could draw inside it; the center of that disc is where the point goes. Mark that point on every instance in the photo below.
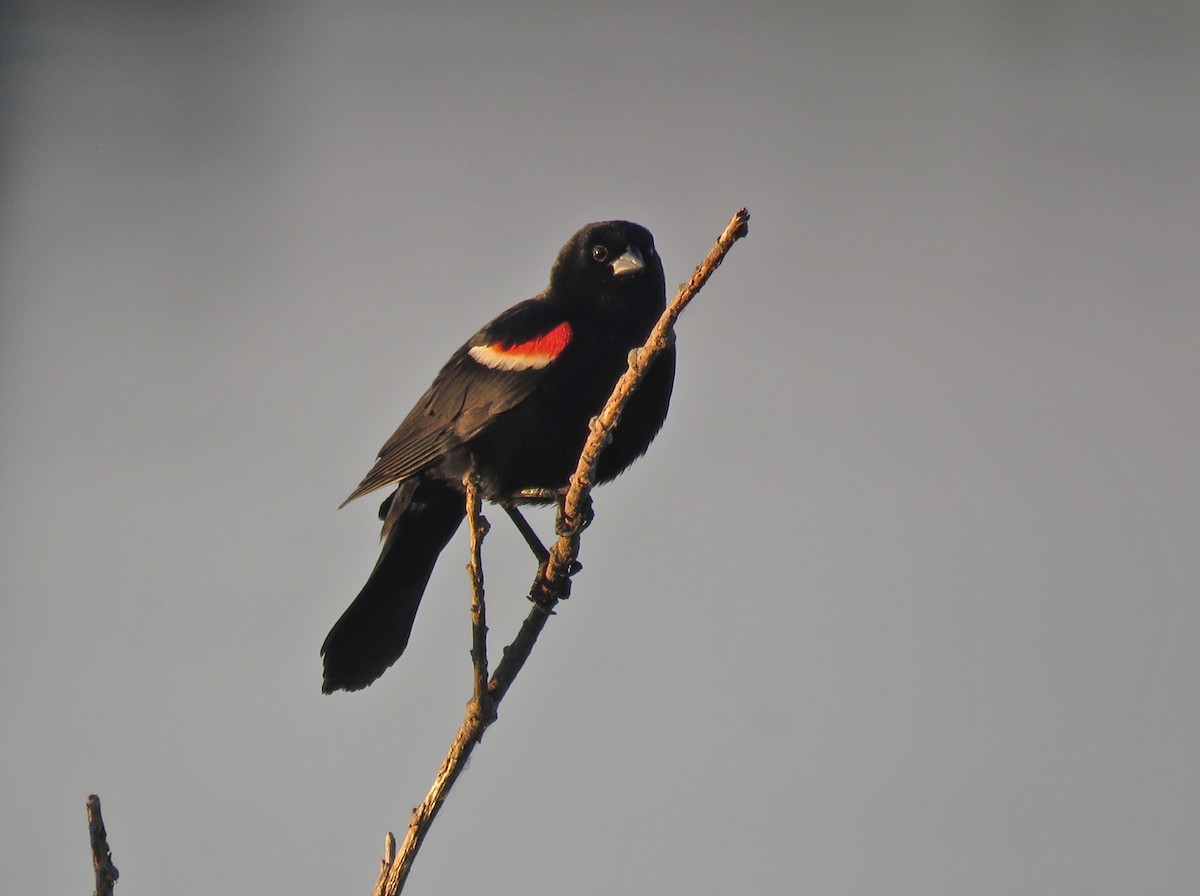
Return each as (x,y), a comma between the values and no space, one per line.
(512,406)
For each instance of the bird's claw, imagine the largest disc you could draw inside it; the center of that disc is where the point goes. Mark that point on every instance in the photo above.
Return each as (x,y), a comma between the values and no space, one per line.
(566,527)
(546,591)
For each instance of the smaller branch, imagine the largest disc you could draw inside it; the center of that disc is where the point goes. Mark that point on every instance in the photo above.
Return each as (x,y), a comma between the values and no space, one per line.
(481,712)
(479,528)
(389,856)
(106,871)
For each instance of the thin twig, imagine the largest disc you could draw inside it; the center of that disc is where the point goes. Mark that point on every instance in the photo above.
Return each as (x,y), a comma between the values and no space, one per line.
(389,856)
(553,580)
(481,712)
(479,528)
(102,864)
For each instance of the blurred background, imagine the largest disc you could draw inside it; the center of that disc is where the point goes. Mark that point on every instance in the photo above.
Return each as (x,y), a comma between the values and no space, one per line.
(902,600)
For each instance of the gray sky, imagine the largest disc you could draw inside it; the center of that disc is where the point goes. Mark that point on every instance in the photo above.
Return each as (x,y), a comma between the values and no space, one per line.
(904,598)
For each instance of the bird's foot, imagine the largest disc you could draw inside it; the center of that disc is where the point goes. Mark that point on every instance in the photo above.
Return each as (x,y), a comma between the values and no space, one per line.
(547,592)
(569,527)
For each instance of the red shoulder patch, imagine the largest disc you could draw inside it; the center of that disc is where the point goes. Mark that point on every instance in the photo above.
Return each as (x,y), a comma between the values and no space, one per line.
(529,355)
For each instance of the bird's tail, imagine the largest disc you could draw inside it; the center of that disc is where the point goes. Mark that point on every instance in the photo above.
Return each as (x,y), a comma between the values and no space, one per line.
(421,517)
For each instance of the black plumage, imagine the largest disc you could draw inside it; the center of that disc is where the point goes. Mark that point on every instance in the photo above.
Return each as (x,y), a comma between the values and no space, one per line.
(513,406)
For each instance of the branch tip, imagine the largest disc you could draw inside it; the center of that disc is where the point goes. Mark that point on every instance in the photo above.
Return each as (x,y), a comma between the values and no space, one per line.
(102,864)
(740,224)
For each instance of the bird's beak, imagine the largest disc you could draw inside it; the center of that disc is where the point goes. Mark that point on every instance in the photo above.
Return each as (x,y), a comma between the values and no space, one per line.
(629,263)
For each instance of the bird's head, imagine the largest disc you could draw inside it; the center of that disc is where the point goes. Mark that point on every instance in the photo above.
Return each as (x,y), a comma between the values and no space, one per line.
(607,264)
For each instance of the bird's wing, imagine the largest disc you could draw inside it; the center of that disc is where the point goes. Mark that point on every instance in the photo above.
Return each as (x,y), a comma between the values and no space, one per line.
(497,369)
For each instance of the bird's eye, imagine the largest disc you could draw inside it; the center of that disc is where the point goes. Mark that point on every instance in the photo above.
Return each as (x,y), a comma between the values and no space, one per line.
(599,253)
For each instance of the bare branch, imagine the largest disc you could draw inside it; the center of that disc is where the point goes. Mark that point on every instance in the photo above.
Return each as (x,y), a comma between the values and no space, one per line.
(552,583)
(106,871)
(479,528)
(389,856)
(481,712)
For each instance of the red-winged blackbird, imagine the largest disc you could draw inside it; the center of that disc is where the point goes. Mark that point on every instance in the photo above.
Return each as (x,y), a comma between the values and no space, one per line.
(512,406)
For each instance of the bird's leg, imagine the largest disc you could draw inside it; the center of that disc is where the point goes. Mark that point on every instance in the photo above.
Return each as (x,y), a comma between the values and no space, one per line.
(535,543)
(526,530)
